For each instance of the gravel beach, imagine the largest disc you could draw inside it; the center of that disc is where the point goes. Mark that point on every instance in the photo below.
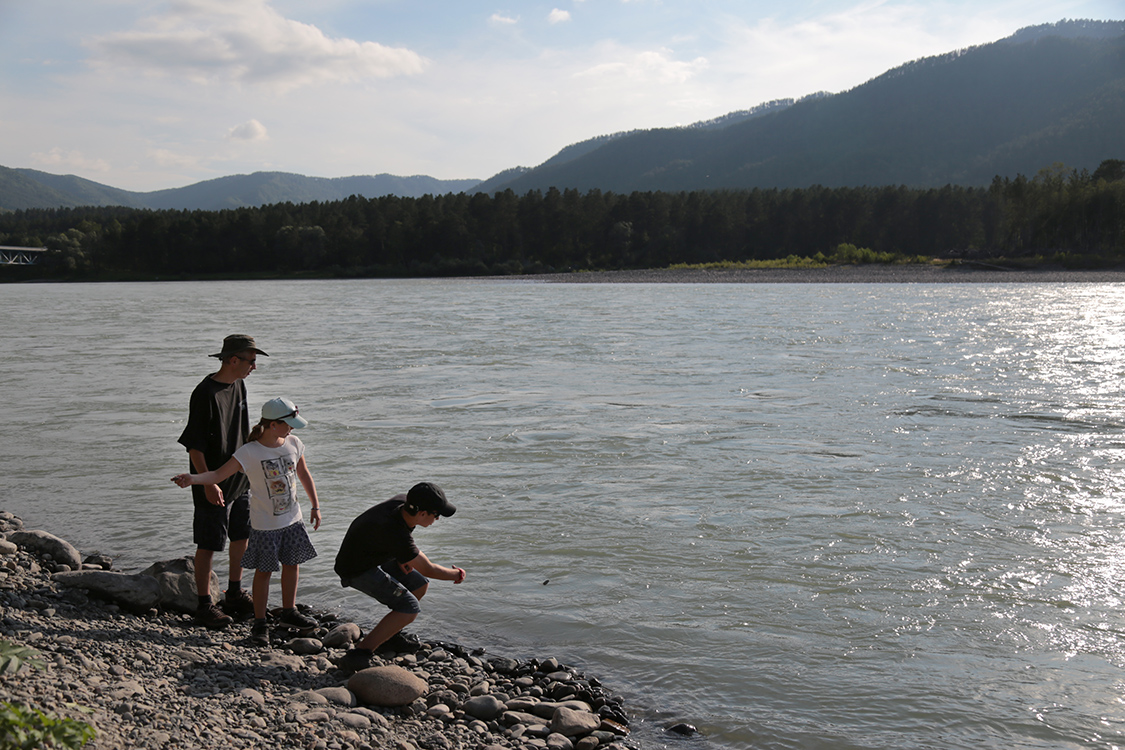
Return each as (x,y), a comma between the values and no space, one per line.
(961,273)
(153,679)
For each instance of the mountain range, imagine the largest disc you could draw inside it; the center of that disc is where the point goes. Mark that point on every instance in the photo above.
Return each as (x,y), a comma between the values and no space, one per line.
(1047,94)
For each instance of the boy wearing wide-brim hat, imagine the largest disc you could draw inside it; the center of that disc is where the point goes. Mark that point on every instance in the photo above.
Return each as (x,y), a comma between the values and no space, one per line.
(218,425)
(379,557)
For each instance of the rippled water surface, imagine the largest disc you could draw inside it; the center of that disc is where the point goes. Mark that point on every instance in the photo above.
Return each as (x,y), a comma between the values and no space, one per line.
(796,516)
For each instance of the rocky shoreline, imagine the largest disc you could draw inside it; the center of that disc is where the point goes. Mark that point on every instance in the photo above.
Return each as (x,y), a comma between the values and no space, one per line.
(151,678)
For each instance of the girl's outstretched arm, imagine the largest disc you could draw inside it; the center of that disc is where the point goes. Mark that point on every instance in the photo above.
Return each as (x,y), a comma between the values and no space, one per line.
(209,477)
(310,489)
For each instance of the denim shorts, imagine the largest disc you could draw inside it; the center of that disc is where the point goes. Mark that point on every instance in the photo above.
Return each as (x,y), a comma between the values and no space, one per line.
(392,589)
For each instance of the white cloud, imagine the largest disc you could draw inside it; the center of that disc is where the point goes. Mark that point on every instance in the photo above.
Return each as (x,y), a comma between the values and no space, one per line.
(246,41)
(165,158)
(498,19)
(558,16)
(650,66)
(57,158)
(251,130)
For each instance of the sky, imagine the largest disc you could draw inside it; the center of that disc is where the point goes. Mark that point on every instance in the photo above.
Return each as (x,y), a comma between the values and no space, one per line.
(146,95)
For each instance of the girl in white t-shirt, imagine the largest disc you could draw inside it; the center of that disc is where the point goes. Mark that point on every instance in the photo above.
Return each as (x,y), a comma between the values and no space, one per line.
(273,460)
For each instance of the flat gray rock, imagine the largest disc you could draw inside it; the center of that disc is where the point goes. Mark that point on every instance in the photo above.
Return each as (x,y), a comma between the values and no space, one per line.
(60,550)
(138,593)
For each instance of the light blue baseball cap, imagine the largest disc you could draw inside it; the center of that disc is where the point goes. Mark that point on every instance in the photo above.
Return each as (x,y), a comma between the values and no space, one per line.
(282,409)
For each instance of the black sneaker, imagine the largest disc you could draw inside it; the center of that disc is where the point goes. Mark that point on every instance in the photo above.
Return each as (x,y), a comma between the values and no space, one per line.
(238,605)
(212,617)
(401,643)
(354,660)
(293,619)
(260,634)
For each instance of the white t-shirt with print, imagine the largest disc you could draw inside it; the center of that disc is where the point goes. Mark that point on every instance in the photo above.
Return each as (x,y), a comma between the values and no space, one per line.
(273,482)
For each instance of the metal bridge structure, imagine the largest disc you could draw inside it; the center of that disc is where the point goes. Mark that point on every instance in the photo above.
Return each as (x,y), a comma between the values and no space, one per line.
(20,256)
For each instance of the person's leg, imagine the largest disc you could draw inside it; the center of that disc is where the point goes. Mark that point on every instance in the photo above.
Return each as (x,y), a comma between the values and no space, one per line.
(394,593)
(203,558)
(261,593)
(391,623)
(237,550)
(290,574)
(238,531)
(209,531)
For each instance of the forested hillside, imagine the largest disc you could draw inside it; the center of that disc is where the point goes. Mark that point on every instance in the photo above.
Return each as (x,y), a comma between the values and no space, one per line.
(1047,94)
(1066,215)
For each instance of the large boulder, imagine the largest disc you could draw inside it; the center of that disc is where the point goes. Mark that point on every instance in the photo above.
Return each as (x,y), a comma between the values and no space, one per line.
(137,593)
(386,686)
(176,579)
(571,723)
(43,543)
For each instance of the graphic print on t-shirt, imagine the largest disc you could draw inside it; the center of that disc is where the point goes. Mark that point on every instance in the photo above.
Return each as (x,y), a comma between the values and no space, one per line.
(279,477)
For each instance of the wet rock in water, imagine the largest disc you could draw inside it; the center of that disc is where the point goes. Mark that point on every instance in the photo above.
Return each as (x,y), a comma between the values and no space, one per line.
(686,730)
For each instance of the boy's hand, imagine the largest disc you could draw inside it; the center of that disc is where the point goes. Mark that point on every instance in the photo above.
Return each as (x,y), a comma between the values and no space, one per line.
(460,574)
(214,495)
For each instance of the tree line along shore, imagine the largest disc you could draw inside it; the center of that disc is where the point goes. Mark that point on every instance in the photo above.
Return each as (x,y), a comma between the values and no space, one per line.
(1060,217)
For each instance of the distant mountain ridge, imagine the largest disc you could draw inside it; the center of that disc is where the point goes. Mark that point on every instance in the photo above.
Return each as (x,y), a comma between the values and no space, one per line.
(1046,94)
(29,188)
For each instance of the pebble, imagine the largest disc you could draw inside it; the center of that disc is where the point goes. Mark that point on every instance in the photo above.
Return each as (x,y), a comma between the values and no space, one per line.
(156,680)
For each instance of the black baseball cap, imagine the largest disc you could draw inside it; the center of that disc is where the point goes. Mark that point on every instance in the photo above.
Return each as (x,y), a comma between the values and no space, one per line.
(429,497)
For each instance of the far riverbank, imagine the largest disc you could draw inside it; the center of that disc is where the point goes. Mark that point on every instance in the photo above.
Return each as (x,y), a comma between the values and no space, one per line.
(962,273)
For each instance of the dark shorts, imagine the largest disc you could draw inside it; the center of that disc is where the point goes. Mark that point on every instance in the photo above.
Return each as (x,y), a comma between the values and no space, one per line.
(390,586)
(269,550)
(214,524)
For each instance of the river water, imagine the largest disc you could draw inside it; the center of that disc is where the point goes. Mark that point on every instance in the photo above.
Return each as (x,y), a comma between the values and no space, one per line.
(795,515)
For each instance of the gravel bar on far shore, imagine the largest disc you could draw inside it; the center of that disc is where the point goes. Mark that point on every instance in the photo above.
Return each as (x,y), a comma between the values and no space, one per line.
(960,273)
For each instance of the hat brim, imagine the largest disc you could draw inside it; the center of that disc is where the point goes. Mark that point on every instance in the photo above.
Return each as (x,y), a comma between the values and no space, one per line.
(296,422)
(232,352)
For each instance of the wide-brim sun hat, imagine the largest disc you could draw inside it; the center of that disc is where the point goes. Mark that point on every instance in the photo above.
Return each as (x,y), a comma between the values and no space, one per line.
(238,342)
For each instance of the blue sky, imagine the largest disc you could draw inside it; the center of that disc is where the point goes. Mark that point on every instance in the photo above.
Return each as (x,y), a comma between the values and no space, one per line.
(145,95)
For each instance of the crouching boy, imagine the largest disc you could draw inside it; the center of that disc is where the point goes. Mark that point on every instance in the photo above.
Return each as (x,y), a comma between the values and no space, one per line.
(379,557)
